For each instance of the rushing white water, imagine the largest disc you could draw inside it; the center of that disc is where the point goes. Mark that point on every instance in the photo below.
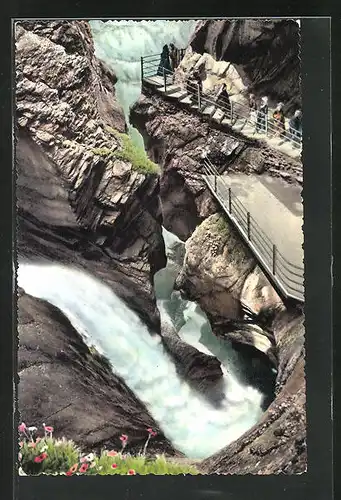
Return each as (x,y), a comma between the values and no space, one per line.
(192,424)
(187,317)
(121,44)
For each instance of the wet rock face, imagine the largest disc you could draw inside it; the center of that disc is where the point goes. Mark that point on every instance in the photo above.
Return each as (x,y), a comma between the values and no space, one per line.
(177,138)
(77,392)
(77,204)
(265,53)
(219,272)
(202,371)
(277,444)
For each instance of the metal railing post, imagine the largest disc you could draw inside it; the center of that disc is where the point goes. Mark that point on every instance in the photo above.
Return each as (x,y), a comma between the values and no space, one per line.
(215,183)
(274,251)
(141,69)
(164,79)
(231,112)
(248,226)
(230,201)
(199,97)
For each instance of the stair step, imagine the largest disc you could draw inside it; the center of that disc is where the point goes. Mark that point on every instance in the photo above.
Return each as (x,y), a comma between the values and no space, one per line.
(208,110)
(172,89)
(186,100)
(217,115)
(178,95)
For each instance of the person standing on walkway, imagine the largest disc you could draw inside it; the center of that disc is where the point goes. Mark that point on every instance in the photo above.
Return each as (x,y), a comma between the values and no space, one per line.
(223,100)
(279,120)
(252,109)
(164,62)
(262,115)
(295,127)
(174,56)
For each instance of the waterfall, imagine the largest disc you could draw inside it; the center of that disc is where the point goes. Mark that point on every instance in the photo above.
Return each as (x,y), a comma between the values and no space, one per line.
(121,44)
(137,355)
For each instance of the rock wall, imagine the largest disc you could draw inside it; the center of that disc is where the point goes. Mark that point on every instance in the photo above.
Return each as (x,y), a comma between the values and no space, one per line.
(83,209)
(265,53)
(75,205)
(77,392)
(277,444)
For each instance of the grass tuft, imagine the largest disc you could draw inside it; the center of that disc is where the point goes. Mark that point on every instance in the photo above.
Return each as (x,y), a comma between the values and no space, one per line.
(129,152)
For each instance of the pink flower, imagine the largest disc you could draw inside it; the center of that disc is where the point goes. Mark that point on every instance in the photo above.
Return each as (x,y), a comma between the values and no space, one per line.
(114,466)
(32,444)
(19,457)
(22,427)
(21,444)
(151,432)
(72,470)
(131,472)
(124,438)
(82,460)
(40,458)
(112,453)
(48,428)
(84,467)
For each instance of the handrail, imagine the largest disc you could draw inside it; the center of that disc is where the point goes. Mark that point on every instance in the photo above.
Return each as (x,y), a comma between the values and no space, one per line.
(288,276)
(235,110)
(266,239)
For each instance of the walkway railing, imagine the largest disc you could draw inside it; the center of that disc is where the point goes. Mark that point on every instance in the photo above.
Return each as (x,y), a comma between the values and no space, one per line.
(232,111)
(286,277)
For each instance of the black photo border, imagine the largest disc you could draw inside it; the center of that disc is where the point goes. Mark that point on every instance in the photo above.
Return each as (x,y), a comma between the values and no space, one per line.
(316,483)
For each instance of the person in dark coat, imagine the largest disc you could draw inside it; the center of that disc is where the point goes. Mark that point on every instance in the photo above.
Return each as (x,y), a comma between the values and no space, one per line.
(174,56)
(223,100)
(262,115)
(164,62)
(295,127)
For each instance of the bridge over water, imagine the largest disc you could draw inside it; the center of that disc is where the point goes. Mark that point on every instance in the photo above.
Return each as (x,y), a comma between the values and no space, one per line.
(266,212)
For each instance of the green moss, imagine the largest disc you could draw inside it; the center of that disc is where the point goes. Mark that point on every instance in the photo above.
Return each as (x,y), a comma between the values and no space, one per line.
(103,152)
(129,152)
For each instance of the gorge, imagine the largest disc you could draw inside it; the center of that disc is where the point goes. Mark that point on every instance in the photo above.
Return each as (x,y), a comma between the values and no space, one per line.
(110,260)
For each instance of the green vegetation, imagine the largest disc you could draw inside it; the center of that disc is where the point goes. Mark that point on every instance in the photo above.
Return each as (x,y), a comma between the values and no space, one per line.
(142,465)
(129,152)
(48,455)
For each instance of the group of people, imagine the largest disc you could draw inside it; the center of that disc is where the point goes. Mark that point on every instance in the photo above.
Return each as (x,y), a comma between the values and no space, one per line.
(170,59)
(259,112)
(260,115)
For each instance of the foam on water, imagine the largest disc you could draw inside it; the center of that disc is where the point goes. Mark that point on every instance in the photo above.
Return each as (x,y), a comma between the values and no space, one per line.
(137,355)
(121,44)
